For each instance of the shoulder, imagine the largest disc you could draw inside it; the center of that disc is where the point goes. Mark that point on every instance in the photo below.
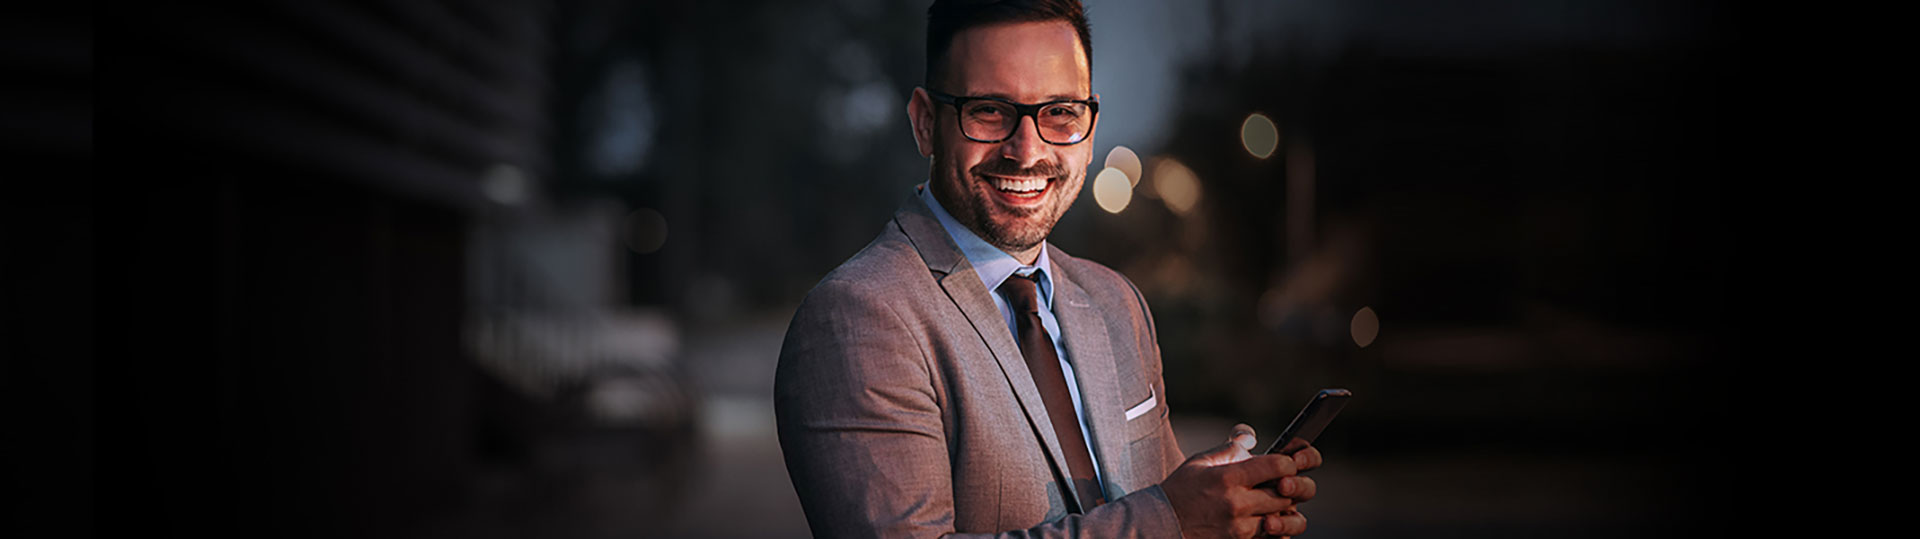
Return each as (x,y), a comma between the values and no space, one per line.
(873,295)
(873,273)
(851,327)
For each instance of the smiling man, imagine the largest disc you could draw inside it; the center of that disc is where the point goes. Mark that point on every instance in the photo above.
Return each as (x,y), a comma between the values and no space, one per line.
(960,375)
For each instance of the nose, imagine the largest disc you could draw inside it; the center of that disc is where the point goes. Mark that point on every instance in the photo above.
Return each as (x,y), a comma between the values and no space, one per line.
(1024,146)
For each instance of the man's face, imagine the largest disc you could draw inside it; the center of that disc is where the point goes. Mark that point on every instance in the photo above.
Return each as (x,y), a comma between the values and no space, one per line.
(991,187)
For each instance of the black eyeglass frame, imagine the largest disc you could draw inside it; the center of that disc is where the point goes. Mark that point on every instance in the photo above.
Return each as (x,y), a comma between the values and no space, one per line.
(1021,110)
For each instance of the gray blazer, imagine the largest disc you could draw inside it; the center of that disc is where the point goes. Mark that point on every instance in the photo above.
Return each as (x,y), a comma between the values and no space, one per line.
(905,409)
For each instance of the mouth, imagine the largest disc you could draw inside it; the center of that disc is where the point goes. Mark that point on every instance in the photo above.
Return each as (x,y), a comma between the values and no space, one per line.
(1019,190)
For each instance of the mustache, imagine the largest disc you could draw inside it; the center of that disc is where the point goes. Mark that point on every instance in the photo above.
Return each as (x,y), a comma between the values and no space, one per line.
(1002,167)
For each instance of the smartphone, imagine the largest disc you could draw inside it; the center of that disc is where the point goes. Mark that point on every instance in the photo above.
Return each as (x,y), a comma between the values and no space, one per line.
(1312,419)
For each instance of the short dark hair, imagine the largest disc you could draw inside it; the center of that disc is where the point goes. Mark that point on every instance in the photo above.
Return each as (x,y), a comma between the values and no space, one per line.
(947,18)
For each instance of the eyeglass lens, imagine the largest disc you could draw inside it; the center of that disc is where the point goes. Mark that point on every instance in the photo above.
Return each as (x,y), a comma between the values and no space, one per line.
(1059,123)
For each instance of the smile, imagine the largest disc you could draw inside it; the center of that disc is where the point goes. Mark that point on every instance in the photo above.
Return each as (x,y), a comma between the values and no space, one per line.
(1020,187)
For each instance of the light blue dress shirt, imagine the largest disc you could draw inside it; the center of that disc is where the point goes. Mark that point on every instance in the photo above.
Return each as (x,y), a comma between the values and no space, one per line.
(995,266)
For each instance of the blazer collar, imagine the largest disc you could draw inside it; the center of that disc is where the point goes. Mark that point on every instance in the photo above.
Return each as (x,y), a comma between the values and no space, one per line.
(928,238)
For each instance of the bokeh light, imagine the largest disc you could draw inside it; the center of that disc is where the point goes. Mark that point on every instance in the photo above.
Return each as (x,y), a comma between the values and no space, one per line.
(1177,185)
(1123,158)
(1365,326)
(1112,190)
(1259,135)
(505,184)
(1174,275)
(646,230)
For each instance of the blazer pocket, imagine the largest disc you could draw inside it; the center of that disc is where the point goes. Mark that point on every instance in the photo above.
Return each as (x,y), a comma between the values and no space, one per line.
(1153,401)
(1146,417)
(1150,442)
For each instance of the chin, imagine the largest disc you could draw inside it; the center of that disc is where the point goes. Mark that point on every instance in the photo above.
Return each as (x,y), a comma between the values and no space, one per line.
(1018,234)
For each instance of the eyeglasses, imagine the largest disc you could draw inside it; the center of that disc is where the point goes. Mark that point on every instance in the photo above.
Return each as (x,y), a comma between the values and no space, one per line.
(991,119)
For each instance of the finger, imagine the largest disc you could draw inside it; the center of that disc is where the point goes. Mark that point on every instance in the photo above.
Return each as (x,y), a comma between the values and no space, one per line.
(1255,502)
(1220,455)
(1247,527)
(1299,487)
(1242,434)
(1261,469)
(1243,438)
(1271,524)
(1306,459)
(1238,453)
(1284,524)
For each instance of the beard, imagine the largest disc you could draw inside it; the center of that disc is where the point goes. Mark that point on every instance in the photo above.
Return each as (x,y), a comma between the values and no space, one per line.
(969,198)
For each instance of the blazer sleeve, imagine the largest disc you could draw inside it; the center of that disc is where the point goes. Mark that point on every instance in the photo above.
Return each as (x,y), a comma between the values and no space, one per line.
(862,430)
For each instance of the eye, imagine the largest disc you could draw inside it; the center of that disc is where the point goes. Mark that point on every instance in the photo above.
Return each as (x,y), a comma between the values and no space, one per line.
(985,111)
(1062,111)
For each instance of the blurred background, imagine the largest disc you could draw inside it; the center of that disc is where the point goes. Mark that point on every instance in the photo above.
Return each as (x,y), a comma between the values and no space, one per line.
(460,268)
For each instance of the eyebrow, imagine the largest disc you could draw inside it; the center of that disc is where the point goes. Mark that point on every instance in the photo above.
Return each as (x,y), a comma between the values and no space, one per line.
(1049,99)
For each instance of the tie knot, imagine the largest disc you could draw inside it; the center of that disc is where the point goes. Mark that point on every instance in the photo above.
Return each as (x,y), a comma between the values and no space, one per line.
(1022,291)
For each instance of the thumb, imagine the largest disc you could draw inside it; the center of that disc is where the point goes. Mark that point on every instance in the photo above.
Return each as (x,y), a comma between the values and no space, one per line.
(1242,435)
(1227,453)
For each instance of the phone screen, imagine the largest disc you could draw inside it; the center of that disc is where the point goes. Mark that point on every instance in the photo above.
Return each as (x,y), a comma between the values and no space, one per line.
(1314,418)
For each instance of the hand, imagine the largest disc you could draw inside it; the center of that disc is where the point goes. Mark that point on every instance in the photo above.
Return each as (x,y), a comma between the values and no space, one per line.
(1298,488)
(1215,493)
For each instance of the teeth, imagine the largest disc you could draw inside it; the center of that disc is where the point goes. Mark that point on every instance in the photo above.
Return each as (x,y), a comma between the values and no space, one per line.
(1004,184)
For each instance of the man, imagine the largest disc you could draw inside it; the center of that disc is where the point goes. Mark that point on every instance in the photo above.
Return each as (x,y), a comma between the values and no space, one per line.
(959,375)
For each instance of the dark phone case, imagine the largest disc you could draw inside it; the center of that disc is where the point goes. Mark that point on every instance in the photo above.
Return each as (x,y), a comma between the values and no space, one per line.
(1312,419)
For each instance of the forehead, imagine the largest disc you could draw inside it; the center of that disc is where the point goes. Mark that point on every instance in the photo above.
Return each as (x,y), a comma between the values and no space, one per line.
(1027,62)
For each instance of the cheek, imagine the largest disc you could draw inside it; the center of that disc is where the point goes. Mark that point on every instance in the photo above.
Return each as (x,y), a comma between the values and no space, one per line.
(964,156)
(1076,161)
(1078,157)
(958,150)
(1072,192)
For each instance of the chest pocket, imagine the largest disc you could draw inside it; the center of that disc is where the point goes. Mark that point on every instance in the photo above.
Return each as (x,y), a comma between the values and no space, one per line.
(1149,441)
(1145,417)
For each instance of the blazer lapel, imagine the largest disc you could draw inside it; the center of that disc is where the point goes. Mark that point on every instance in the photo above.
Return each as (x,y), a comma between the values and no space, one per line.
(962,285)
(1090,351)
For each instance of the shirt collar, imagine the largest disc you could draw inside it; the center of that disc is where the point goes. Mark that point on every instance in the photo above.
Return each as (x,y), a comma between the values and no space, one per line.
(991,264)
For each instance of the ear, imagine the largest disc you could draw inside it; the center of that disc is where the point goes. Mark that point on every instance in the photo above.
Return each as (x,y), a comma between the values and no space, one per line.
(920,114)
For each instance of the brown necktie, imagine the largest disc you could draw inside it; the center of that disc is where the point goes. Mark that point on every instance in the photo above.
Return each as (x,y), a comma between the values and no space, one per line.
(1043,363)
